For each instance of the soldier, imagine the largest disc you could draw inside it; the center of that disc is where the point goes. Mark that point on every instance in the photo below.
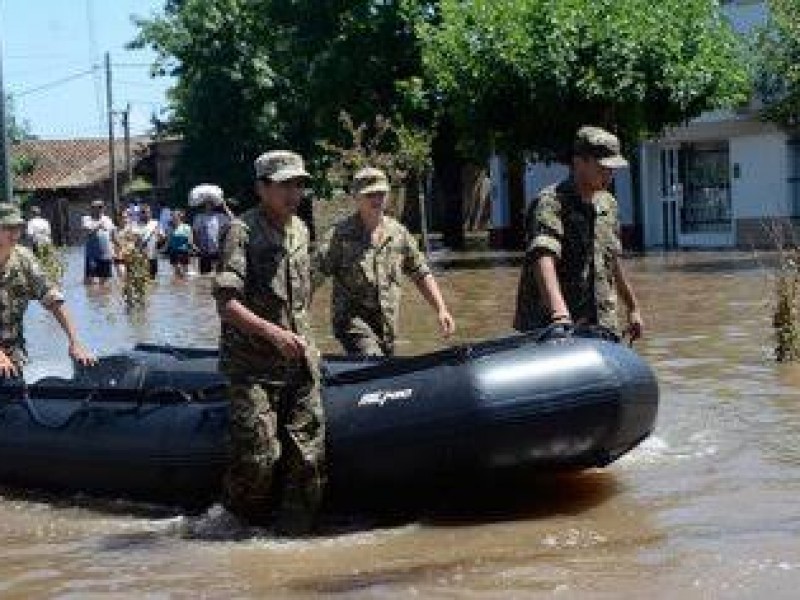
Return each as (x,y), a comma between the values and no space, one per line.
(572,271)
(366,254)
(22,280)
(262,291)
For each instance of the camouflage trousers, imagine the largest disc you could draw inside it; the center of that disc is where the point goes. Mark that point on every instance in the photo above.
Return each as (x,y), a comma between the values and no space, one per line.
(277,451)
(359,339)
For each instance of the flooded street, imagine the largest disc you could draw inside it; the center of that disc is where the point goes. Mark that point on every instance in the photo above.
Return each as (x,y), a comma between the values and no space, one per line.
(706,508)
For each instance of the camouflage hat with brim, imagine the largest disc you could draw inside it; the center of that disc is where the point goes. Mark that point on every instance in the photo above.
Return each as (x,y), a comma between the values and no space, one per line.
(10,215)
(370,181)
(280,165)
(600,144)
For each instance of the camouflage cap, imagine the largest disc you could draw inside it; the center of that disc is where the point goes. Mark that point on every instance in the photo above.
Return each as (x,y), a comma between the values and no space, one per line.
(10,215)
(601,144)
(370,180)
(280,165)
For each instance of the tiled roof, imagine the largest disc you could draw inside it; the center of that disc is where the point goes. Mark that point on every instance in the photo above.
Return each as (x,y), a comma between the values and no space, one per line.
(68,164)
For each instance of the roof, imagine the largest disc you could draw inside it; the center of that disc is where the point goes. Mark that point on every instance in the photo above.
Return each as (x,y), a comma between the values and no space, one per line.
(70,164)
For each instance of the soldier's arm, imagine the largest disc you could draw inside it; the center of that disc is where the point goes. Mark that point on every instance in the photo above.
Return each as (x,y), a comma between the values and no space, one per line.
(625,290)
(229,289)
(416,267)
(7,366)
(430,291)
(544,250)
(53,300)
(544,270)
(77,350)
(324,260)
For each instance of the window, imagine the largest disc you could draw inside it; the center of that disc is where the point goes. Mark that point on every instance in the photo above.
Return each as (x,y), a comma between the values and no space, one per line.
(706,204)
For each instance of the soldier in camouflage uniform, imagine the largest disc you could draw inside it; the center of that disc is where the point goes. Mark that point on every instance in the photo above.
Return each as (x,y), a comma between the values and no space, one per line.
(366,254)
(572,270)
(262,291)
(22,280)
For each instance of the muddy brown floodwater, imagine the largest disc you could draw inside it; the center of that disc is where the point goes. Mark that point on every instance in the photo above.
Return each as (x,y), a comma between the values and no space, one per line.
(706,508)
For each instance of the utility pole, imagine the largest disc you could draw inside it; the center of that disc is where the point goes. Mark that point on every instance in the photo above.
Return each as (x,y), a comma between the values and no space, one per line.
(112,159)
(126,127)
(6,190)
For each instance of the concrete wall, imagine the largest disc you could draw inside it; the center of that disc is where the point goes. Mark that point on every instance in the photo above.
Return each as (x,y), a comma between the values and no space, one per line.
(761,188)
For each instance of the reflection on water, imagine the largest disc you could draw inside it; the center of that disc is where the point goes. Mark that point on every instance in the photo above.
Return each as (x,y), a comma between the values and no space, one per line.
(705,508)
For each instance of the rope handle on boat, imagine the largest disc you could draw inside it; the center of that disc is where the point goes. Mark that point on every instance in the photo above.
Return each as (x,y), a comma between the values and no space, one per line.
(165,390)
(562,331)
(37,418)
(556,331)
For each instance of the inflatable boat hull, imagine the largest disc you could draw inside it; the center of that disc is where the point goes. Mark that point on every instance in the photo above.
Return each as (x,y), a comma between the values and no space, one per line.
(150,424)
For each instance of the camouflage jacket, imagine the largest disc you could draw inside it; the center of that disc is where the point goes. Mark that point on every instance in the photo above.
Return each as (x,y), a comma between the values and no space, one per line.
(584,239)
(267,270)
(21,280)
(367,278)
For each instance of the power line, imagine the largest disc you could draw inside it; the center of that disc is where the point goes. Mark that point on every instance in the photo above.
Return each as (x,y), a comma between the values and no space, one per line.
(132,65)
(56,83)
(139,83)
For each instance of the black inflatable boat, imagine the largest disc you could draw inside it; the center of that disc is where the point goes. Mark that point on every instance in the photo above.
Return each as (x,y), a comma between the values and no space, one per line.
(150,424)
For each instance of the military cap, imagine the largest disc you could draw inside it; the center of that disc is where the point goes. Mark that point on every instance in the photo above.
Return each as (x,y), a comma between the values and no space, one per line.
(10,215)
(370,180)
(601,144)
(280,165)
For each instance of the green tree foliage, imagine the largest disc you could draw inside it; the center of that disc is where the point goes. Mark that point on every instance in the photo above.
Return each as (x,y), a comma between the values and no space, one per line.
(778,51)
(257,74)
(524,74)
(18,131)
(225,101)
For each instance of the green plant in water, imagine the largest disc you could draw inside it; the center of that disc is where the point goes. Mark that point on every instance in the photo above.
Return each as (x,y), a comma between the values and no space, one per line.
(137,281)
(786,319)
(53,262)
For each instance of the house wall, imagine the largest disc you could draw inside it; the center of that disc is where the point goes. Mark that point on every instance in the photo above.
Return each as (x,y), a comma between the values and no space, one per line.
(538,175)
(762,162)
(650,192)
(759,167)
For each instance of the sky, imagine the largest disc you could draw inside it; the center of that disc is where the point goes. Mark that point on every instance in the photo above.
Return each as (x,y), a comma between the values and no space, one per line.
(46,41)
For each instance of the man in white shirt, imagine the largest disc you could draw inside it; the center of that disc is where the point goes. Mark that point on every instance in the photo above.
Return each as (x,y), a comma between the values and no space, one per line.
(150,237)
(38,229)
(99,248)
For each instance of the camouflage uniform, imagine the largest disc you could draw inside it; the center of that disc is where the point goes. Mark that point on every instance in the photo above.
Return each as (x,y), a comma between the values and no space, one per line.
(22,279)
(276,408)
(365,301)
(584,239)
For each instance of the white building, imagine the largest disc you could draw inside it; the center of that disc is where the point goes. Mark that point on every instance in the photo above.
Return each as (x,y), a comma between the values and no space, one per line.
(723,180)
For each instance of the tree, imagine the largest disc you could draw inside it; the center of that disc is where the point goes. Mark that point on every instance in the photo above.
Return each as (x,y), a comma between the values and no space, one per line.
(17,131)
(778,63)
(522,75)
(225,101)
(255,74)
